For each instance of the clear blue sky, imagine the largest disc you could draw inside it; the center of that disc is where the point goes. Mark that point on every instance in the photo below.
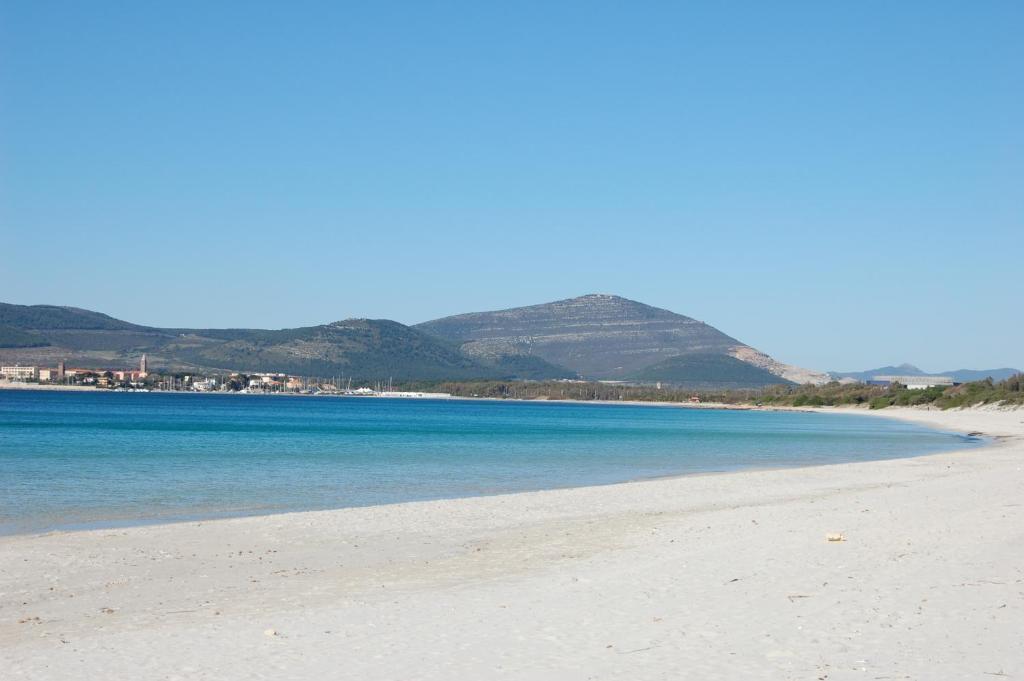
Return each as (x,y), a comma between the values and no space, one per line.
(840,184)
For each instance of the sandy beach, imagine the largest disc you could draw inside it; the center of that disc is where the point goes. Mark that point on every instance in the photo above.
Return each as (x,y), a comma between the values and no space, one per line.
(722,576)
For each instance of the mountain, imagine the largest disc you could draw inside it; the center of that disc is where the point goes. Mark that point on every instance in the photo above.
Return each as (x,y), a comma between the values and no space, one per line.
(596,336)
(365,349)
(862,376)
(968,375)
(958,375)
(604,337)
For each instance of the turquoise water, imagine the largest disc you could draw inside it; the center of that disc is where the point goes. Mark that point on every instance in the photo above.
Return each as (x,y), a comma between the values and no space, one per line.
(71,460)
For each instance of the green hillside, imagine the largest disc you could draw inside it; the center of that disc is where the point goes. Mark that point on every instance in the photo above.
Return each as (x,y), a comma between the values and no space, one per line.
(13,337)
(527,367)
(591,336)
(596,336)
(48,317)
(364,349)
(709,370)
(367,349)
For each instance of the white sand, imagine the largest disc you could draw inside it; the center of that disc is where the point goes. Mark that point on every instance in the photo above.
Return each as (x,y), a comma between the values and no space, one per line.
(722,576)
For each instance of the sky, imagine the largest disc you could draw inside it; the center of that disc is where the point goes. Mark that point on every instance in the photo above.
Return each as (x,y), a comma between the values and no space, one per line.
(838,184)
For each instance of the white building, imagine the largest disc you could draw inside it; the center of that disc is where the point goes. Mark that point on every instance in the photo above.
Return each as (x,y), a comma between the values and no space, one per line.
(205,385)
(915,382)
(18,373)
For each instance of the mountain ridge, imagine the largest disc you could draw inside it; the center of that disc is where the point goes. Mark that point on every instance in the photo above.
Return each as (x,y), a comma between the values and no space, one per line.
(595,336)
(907,369)
(601,336)
(364,349)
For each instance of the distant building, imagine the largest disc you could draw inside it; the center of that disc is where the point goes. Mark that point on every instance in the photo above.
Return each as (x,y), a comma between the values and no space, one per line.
(47,375)
(204,385)
(127,375)
(18,373)
(143,366)
(913,382)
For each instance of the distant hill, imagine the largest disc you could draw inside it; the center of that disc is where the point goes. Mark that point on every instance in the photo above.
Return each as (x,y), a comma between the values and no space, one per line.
(361,348)
(968,375)
(863,376)
(958,375)
(364,349)
(699,370)
(53,317)
(596,336)
(604,337)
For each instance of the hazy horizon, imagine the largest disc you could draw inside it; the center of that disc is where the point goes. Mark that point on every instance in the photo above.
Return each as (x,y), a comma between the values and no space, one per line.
(836,185)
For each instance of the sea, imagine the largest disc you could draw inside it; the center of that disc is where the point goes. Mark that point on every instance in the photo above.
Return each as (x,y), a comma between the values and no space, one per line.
(75,460)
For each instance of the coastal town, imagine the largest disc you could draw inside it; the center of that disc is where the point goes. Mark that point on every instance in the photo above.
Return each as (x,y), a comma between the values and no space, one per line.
(143,379)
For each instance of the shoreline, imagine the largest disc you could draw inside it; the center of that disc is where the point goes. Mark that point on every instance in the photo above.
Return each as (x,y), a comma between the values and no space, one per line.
(14,386)
(120,523)
(125,524)
(859,409)
(714,575)
(994,440)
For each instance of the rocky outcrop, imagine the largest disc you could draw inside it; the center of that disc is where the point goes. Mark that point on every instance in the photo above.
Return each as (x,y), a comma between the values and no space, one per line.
(787,371)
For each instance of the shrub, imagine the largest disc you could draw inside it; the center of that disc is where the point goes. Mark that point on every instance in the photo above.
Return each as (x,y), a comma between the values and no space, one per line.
(880,402)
